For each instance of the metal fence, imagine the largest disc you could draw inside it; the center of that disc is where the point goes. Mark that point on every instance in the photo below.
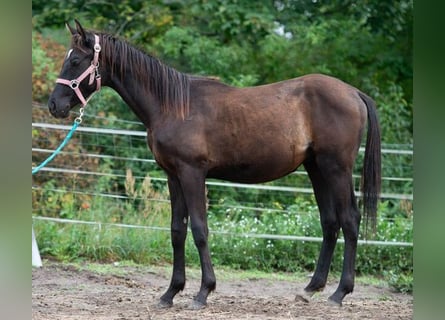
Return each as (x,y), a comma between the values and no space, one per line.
(118,139)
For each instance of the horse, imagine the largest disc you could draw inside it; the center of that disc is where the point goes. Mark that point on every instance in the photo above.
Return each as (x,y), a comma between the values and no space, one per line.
(199,128)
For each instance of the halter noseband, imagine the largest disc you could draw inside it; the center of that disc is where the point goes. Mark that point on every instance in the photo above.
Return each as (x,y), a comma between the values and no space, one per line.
(92,70)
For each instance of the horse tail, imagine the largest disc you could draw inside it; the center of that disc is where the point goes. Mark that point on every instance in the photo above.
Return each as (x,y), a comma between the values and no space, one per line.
(371,173)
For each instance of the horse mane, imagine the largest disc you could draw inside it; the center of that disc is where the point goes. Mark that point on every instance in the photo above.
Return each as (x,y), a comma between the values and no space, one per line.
(169,86)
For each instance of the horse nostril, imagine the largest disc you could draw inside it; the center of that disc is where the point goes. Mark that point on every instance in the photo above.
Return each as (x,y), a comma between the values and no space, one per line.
(52,106)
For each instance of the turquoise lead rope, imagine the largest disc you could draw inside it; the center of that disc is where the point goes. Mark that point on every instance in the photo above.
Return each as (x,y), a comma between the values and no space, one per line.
(77,122)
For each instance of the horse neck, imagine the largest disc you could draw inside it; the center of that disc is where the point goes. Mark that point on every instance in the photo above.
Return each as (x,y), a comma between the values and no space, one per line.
(121,73)
(142,102)
(151,89)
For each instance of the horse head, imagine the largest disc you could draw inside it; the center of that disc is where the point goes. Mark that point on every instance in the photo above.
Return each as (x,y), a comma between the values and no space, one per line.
(79,77)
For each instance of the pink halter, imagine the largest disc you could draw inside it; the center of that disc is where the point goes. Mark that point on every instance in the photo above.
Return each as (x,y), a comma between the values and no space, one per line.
(92,70)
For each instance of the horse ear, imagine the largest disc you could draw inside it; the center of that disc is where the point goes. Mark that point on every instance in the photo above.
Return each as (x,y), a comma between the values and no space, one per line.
(81,31)
(70,29)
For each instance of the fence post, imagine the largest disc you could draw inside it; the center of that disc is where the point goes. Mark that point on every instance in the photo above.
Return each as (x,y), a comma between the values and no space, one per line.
(36,261)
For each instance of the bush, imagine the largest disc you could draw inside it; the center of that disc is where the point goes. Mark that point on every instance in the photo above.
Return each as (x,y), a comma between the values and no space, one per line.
(44,70)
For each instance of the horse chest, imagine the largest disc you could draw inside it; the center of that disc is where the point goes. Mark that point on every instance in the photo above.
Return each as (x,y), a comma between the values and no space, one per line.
(173,150)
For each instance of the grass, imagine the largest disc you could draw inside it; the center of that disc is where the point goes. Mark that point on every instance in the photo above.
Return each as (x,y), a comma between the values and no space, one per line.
(108,243)
(371,281)
(223,273)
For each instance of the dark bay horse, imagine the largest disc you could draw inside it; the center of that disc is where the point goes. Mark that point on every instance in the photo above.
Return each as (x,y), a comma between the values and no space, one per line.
(199,127)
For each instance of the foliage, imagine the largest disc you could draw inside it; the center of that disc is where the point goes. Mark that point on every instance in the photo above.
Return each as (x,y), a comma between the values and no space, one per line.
(401,282)
(43,68)
(367,44)
(107,243)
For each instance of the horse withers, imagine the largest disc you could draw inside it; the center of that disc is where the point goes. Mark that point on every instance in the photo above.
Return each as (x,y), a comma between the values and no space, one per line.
(200,128)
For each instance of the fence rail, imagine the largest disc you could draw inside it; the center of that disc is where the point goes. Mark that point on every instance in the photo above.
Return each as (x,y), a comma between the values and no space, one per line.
(223,184)
(246,235)
(144,134)
(228,184)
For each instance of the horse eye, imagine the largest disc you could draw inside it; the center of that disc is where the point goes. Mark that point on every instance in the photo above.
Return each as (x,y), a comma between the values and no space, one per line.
(74,62)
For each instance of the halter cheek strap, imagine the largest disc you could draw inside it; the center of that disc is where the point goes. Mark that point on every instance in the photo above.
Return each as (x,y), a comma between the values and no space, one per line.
(92,70)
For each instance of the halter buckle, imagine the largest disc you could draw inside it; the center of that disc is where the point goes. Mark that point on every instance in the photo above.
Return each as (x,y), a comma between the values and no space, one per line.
(74,84)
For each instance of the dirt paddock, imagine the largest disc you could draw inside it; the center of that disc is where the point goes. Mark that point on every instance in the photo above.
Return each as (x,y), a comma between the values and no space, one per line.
(63,292)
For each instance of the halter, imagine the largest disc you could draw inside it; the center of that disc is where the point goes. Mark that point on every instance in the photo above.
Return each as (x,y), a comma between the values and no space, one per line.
(92,70)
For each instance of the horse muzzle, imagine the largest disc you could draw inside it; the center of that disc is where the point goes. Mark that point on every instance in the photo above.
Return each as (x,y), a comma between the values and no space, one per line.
(59,111)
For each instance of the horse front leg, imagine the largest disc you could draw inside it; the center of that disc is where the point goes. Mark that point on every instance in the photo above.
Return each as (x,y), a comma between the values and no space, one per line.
(179,221)
(193,186)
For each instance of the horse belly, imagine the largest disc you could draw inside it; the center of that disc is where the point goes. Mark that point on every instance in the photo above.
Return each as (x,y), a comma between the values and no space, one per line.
(258,167)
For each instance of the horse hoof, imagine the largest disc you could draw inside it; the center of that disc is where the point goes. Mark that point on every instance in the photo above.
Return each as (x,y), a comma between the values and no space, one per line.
(164,304)
(304,296)
(196,305)
(333,302)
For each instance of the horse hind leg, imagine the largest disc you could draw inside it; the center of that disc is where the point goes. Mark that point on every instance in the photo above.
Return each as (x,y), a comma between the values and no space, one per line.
(349,217)
(333,188)
(330,227)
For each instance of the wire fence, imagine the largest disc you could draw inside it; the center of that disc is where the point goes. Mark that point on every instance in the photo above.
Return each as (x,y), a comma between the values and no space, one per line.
(85,163)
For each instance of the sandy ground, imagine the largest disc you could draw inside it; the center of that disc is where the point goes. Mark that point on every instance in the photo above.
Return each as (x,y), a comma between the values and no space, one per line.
(62,292)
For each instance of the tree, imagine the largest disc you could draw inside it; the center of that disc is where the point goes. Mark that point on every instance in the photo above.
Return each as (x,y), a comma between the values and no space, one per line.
(367,43)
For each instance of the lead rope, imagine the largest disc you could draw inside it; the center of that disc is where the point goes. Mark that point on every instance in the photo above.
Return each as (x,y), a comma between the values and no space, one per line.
(76,123)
